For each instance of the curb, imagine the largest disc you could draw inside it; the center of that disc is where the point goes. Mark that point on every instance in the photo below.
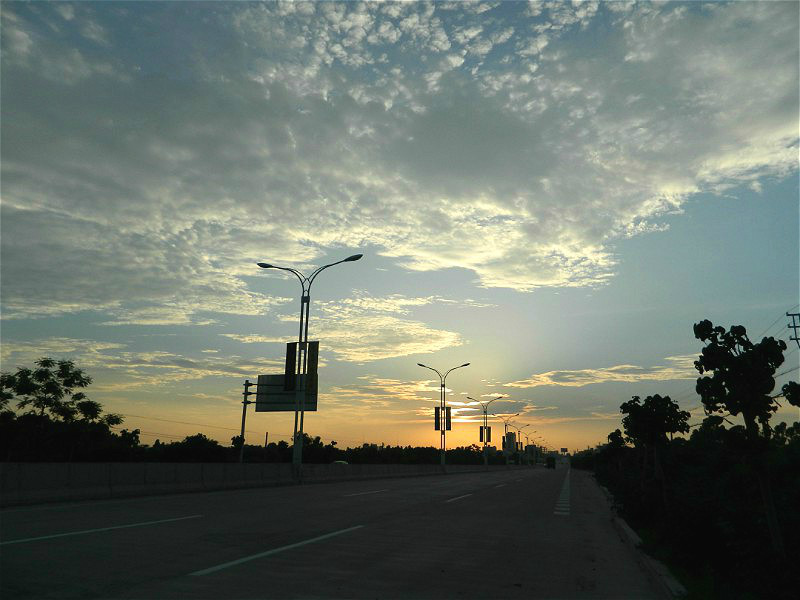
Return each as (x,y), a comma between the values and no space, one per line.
(656,570)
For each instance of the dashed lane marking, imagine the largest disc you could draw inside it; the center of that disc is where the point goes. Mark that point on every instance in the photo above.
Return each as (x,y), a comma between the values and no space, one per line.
(457,498)
(233,563)
(365,493)
(99,529)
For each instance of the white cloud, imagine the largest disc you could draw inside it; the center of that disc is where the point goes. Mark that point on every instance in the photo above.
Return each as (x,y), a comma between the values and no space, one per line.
(129,370)
(365,328)
(677,367)
(385,396)
(148,197)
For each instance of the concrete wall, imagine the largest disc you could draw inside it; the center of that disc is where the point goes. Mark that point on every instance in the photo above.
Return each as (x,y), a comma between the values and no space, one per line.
(31,483)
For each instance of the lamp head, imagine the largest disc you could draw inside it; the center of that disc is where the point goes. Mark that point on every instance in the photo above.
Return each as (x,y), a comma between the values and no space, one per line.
(265,265)
(421,365)
(352,258)
(465,365)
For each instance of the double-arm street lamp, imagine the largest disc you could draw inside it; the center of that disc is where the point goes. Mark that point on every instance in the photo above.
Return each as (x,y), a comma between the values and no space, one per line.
(519,432)
(442,422)
(302,346)
(485,406)
(505,421)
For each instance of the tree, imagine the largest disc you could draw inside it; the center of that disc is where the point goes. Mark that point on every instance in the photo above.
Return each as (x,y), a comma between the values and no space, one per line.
(49,387)
(58,421)
(647,424)
(742,377)
(791,391)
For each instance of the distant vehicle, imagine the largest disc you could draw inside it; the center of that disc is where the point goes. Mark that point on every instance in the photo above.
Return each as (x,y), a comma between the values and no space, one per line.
(340,462)
(551,462)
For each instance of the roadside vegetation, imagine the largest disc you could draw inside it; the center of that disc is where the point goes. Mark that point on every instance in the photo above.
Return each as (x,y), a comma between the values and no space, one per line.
(45,416)
(718,501)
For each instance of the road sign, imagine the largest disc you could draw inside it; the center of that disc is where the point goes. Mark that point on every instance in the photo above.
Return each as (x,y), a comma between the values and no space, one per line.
(564,450)
(271,395)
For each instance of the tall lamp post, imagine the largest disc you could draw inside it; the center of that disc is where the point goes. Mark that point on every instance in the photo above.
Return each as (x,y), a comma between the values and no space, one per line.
(485,407)
(536,448)
(442,423)
(505,431)
(519,433)
(302,346)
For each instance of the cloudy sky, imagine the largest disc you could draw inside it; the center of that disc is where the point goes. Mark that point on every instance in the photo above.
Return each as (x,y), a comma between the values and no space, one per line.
(554,192)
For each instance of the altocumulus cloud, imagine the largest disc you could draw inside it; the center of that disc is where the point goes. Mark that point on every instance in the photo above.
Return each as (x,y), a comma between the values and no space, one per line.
(365,328)
(677,367)
(153,151)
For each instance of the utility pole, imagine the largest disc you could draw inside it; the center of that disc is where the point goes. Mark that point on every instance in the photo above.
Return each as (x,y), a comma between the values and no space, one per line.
(245,402)
(794,326)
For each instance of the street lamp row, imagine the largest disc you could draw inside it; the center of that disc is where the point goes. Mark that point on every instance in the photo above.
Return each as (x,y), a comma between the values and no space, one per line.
(302,365)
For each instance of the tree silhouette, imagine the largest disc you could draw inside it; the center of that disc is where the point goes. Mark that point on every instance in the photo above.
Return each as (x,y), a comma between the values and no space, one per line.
(49,387)
(742,377)
(646,425)
(791,391)
(58,421)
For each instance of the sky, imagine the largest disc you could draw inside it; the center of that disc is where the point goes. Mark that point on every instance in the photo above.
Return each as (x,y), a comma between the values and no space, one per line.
(553,192)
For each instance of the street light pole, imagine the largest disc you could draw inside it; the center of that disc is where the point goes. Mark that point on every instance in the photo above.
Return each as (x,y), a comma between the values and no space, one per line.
(302,348)
(442,407)
(519,431)
(505,432)
(485,406)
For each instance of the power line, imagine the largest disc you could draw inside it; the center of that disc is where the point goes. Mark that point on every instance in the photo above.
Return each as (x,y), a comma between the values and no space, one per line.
(689,393)
(189,423)
(783,316)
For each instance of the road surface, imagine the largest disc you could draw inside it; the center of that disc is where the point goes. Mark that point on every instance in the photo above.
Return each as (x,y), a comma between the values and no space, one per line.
(535,533)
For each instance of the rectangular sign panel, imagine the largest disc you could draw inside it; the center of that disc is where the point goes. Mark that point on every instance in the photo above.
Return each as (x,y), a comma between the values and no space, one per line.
(312,359)
(437,418)
(290,371)
(272,397)
(564,450)
(447,423)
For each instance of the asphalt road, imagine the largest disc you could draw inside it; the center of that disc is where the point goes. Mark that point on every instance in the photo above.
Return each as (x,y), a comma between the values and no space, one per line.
(511,534)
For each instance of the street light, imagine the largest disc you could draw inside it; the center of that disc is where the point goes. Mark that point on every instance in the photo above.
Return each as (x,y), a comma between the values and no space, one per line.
(443,421)
(505,431)
(302,346)
(485,406)
(519,432)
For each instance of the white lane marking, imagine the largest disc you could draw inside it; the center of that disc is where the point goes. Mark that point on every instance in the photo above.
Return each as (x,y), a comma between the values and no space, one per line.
(274,551)
(58,535)
(501,485)
(457,498)
(562,504)
(364,493)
